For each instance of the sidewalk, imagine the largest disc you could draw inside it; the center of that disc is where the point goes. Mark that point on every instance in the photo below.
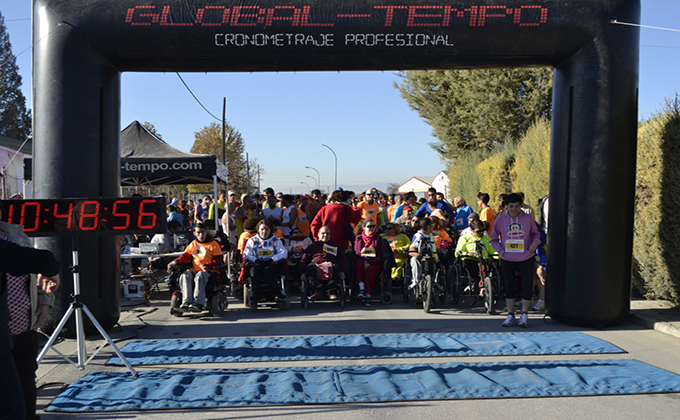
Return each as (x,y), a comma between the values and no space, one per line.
(656,314)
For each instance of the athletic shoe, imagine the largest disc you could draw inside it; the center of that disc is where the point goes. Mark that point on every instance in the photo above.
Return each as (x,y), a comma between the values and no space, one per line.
(509,321)
(368,301)
(195,307)
(184,307)
(523,320)
(333,297)
(360,294)
(539,306)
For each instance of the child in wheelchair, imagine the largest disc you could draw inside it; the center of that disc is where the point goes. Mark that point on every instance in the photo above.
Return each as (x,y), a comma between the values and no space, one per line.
(423,246)
(399,244)
(264,256)
(466,249)
(425,265)
(204,254)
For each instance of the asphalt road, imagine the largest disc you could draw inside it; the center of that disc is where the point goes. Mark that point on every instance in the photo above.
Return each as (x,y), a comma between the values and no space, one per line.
(152,321)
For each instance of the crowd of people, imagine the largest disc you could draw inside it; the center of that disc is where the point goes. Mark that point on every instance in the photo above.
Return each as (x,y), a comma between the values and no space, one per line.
(282,233)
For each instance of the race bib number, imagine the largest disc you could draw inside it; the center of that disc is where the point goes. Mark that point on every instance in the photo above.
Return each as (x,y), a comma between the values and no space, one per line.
(303,218)
(265,252)
(514,245)
(371,212)
(330,250)
(436,234)
(460,223)
(368,252)
(199,251)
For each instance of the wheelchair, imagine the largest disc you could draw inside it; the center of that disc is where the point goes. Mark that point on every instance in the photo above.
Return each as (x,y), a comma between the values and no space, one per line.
(216,291)
(335,285)
(255,296)
(382,286)
(430,289)
(486,286)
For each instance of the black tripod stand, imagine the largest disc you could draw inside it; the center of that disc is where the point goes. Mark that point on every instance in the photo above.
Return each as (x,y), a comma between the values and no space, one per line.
(78,307)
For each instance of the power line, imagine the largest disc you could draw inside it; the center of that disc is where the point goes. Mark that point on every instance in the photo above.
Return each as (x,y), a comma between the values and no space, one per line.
(192,94)
(657,46)
(616,22)
(14,57)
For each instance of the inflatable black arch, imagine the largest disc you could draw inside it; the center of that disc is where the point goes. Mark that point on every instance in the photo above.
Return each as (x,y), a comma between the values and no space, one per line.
(82,46)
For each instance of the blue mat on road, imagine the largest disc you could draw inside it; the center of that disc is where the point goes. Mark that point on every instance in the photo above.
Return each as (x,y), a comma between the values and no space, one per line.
(249,349)
(111,391)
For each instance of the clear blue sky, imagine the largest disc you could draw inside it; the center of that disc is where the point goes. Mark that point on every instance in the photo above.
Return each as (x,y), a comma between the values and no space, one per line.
(285,117)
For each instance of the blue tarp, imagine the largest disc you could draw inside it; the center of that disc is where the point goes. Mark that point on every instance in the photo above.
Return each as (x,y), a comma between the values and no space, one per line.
(248,349)
(110,391)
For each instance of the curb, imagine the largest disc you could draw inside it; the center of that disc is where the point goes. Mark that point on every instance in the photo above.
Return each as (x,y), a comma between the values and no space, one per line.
(669,328)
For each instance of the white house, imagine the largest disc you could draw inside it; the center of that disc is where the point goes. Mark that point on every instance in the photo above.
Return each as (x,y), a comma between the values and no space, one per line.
(12,154)
(420,185)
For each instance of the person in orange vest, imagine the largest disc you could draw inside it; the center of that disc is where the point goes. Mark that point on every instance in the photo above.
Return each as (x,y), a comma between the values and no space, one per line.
(205,254)
(486,214)
(303,220)
(370,209)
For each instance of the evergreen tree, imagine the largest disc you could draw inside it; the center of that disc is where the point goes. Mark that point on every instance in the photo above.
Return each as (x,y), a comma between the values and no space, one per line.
(209,141)
(472,110)
(15,120)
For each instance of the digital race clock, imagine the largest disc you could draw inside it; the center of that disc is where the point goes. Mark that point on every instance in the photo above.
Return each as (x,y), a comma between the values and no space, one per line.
(69,216)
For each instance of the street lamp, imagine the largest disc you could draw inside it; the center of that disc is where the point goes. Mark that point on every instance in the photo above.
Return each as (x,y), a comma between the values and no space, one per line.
(336,165)
(315,181)
(310,188)
(318,177)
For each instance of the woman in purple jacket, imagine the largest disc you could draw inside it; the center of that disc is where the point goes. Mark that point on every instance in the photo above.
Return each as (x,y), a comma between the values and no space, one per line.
(515,237)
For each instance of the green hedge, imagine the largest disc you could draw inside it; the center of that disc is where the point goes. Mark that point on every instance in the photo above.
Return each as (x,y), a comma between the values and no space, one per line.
(656,250)
(531,170)
(525,167)
(463,179)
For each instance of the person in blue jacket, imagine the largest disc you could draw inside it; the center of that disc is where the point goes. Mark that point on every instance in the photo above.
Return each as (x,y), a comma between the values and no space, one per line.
(463,211)
(433,204)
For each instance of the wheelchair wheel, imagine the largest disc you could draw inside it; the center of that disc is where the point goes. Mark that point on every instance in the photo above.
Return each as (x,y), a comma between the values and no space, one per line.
(427,292)
(342,294)
(441,286)
(386,295)
(218,304)
(304,294)
(453,280)
(386,298)
(405,293)
(488,296)
(284,305)
(175,302)
(467,294)
(246,295)
(236,289)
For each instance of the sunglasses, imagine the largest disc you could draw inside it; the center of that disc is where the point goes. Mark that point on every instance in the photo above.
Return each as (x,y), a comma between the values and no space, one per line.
(479,231)
(370,226)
